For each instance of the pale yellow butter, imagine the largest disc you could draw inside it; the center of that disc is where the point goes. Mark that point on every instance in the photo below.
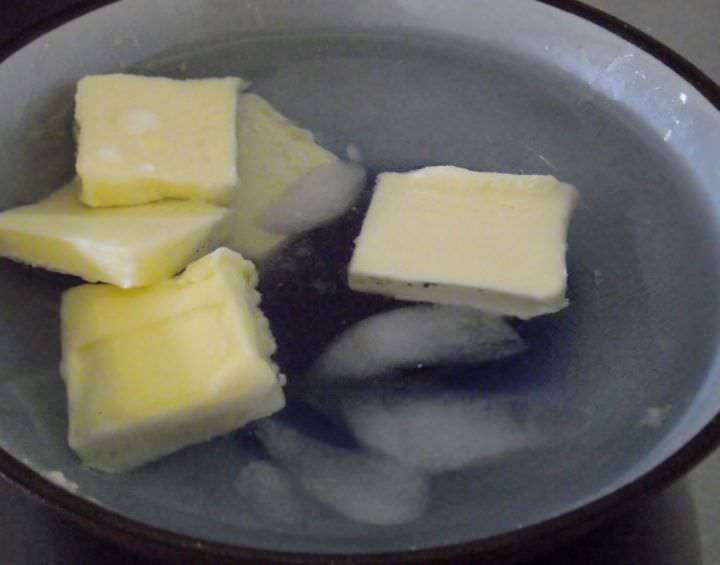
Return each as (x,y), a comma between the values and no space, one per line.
(142,139)
(453,236)
(273,154)
(149,371)
(128,247)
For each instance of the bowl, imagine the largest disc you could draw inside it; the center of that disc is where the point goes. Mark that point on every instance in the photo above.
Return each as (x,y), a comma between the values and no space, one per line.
(615,396)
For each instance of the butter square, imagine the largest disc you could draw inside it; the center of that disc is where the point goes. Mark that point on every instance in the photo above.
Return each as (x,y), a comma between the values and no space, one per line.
(151,370)
(448,235)
(273,154)
(142,139)
(126,246)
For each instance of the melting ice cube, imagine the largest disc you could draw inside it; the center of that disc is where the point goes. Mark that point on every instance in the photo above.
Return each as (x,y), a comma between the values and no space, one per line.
(437,431)
(319,197)
(267,492)
(417,335)
(367,488)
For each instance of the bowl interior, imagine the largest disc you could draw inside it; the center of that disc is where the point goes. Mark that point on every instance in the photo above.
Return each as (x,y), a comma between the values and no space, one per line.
(606,389)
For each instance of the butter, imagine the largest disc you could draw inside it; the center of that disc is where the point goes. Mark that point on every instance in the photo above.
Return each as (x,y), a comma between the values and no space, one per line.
(273,154)
(492,241)
(142,139)
(151,370)
(128,247)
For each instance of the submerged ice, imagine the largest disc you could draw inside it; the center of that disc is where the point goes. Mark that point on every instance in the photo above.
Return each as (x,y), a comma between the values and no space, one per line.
(415,336)
(267,492)
(368,488)
(319,197)
(437,431)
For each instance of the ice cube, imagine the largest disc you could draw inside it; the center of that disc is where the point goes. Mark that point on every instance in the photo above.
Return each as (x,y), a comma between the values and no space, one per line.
(417,335)
(370,489)
(267,492)
(317,198)
(438,431)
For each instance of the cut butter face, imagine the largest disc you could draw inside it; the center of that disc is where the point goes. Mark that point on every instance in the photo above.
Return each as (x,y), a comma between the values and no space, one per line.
(142,139)
(452,236)
(149,371)
(128,247)
(273,154)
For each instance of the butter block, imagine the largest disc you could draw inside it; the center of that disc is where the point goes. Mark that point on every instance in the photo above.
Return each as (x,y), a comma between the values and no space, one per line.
(151,370)
(273,154)
(142,139)
(128,247)
(448,235)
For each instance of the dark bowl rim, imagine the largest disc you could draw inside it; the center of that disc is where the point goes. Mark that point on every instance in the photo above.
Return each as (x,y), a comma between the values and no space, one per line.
(519,544)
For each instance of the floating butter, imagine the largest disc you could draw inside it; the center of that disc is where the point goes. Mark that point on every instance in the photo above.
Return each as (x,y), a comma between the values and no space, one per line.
(273,154)
(128,247)
(493,241)
(151,370)
(142,139)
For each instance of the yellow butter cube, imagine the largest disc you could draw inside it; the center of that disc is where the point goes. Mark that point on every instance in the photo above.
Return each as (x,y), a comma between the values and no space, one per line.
(149,371)
(128,247)
(273,154)
(142,139)
(492,241)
